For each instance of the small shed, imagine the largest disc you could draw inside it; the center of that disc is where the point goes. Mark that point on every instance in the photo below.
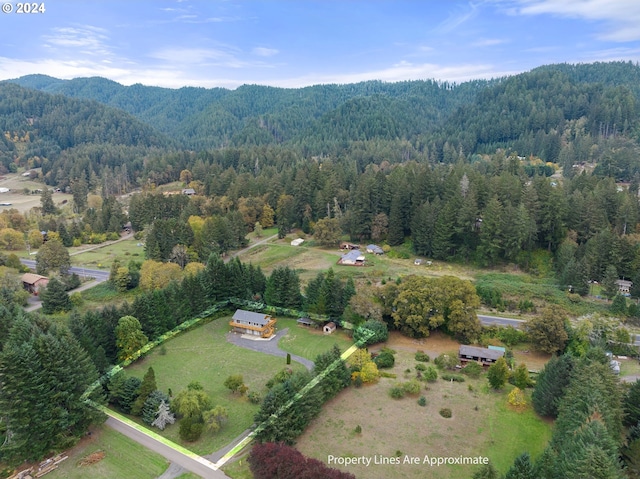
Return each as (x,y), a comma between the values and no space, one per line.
(305,322)
(188,191)
(349,246)
(352,258)
(482,355)
(374,249)
(34,283)
(297,242)
(329,328)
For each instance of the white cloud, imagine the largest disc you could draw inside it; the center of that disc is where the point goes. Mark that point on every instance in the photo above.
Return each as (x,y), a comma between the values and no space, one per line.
(190,55)
(621,17)
(85,39)
(265,52)
(400,72)
(488,42)
(457,18)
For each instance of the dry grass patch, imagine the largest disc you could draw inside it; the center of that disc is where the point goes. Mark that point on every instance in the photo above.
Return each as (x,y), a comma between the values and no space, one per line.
(391,428)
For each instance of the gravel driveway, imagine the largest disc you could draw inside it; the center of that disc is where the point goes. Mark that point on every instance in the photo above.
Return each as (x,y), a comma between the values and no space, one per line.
(267,346)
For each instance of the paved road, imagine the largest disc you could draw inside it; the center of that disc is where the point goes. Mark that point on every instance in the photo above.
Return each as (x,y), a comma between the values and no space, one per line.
(98,274)
(203,467)
(499,321)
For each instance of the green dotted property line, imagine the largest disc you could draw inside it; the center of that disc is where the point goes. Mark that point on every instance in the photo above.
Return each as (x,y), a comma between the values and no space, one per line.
(245,441)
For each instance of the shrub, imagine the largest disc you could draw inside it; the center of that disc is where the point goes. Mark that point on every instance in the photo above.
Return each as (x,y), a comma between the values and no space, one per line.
(430,375)
(370,332)
(422,401)
(452,377)
(280,377)
(446,361)
(190,430)
(445,412)
(411,387)
(422,357)
(385,374)
(385,360)
(254,397)
(473,370)
(358,429)
(397,392)
(517,398)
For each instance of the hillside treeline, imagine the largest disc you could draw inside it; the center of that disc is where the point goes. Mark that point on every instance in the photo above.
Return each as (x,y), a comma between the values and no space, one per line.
(568,114)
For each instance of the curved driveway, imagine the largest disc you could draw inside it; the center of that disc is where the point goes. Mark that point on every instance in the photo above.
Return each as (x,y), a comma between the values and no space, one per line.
(267,346)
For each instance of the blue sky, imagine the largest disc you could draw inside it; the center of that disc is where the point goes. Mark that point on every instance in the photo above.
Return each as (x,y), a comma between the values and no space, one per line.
(294,43)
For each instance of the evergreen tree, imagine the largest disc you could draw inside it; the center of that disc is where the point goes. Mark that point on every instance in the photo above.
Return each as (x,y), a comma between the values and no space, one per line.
(54,298)
(522,468)
(146,388)
(609,282)
(163,416)
(152,405)
(43,373)
(46,200)
(498,373)
(551,384)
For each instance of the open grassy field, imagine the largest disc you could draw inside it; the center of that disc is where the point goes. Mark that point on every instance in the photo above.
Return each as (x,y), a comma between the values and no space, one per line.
(204,355)
(307,342)
(101,258)
(123,458)
(482,424)
(18,186)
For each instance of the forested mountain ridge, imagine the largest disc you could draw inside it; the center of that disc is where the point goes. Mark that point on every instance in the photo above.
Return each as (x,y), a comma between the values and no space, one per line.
(210,118)
(64,135)
(566,114)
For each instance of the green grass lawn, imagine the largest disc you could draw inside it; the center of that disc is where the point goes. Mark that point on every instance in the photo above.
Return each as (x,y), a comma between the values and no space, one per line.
(204,355)
(307,342)
(101,258)
(512,432)
(123,458)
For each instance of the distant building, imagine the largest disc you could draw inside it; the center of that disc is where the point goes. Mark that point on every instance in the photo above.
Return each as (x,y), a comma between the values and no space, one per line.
(624,286)
(189,191)
(352,258)
(297,242)
(345,245)
(374,249)
(482,355)
(254,324)
(34,283)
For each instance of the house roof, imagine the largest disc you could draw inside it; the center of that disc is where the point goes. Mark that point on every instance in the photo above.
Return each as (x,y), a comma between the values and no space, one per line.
(297,242)
(243,316)
(374,248)
(353,255)
(32,278)
(188,191)
(477,352)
